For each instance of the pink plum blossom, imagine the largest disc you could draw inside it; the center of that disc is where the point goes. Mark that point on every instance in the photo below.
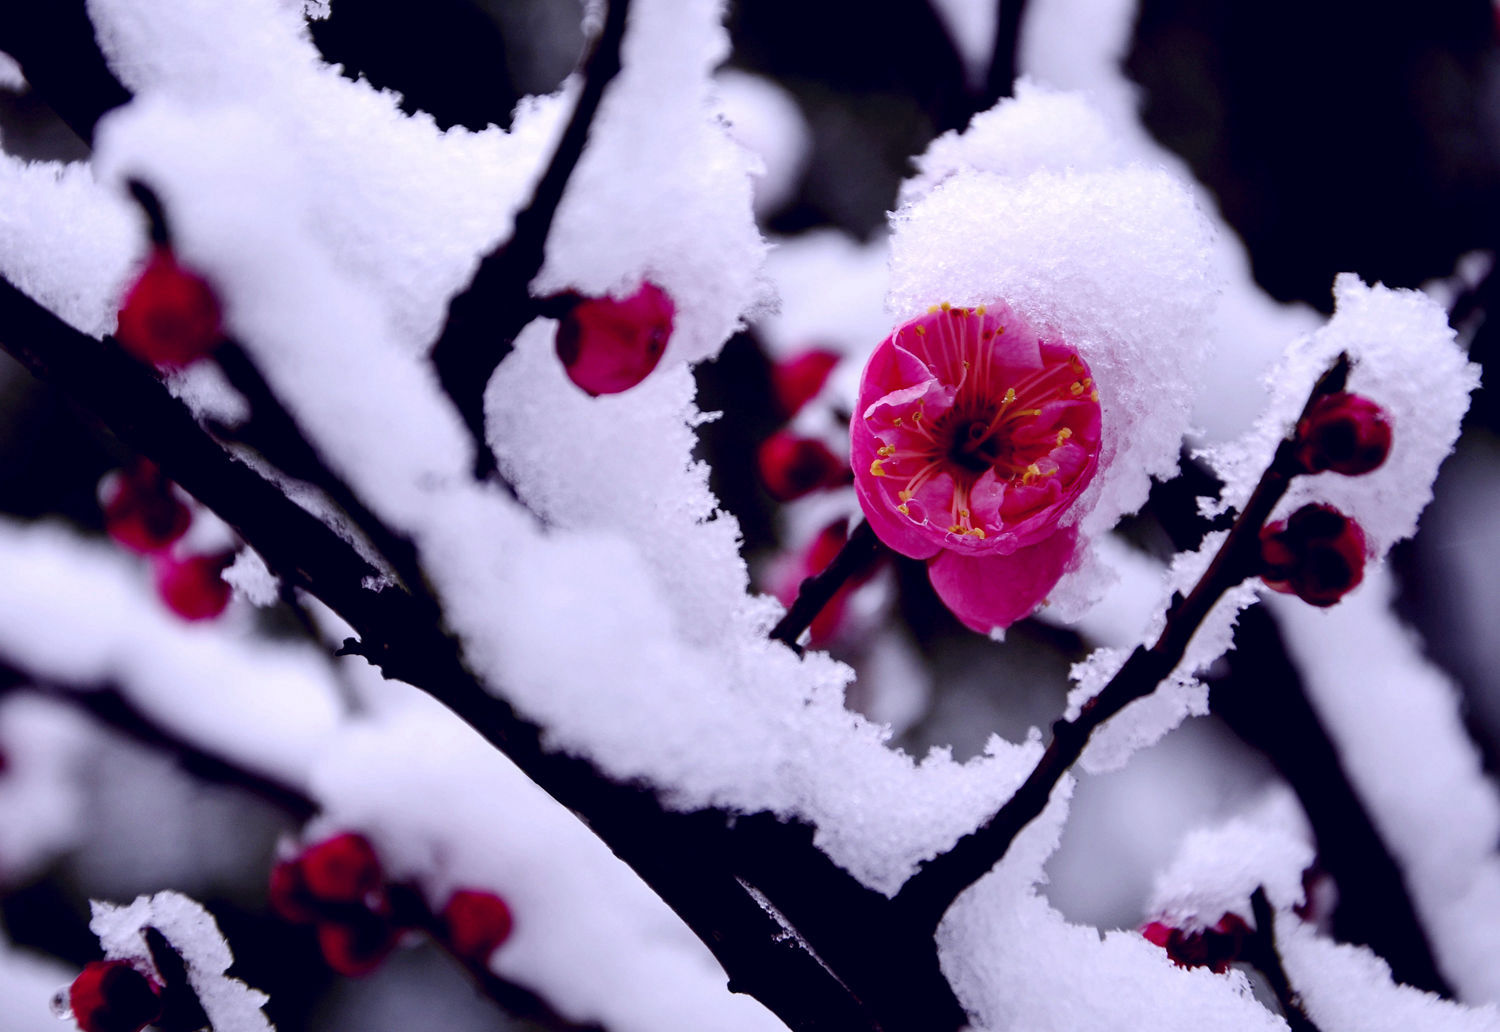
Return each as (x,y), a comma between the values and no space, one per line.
(973,436)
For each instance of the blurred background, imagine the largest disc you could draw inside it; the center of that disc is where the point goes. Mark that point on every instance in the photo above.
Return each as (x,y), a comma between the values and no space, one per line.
(1334,137)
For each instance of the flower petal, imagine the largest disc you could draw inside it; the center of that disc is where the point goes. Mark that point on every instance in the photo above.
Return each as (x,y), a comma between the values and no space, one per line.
(987,591)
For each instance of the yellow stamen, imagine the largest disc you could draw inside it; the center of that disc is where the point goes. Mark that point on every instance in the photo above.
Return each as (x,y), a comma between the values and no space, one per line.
(945,306)
(1076,388)
(955,529)
(922,330)
(979,310)
(978,532)
(887,451)
(875,469)
(903,510)
(896,421)
(1030,412)
(1010,395)
(904,494)
(1093,395)
(932,309)
(1063,435)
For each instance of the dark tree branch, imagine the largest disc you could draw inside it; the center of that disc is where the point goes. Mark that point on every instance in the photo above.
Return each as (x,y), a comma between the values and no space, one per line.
(114,709)
(484,319)
(54,44)
(929,893)
(700,863)
(1001,81)
(1260,950)
(858,555)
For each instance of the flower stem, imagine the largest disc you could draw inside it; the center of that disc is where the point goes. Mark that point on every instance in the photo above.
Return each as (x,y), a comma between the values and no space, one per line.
(1260,950)
(857,555)
(927,894)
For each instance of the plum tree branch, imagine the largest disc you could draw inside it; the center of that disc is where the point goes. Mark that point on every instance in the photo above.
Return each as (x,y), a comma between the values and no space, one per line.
(887,972)
(927,894)
(1260,950)
(484,318)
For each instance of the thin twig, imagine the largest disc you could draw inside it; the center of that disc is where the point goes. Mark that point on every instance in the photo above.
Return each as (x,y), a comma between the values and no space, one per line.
(484,319)
(1005,58)
(115,709)
(927,894)
(855,557)
(1260,950)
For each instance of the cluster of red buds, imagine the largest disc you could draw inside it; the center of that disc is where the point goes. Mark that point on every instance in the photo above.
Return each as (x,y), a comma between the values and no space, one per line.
(1318,553)
(792,465)
(113,996)
(170,315)
(143,512)
(1215,947)
(337,885)
(608,345)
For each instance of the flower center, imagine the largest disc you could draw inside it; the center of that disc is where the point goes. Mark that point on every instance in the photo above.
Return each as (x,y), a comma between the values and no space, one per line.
(974,446)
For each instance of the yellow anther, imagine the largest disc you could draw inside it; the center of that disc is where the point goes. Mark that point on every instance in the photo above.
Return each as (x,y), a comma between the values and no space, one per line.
(922,330)
(966,363)
(1010,395)
(904,494)
(887,451)
(978,532)
(1076,388)
(876,470)
(1030,412)
(1063,435)
(916,417)
(955,529)
(896,421)
(1093,395)
(932,309)
(979,310)
(963,514)
(945,306)
(999,329)
(903,510)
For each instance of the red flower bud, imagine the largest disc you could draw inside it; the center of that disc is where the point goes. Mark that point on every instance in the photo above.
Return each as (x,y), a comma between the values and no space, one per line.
(194,588)
(288,894)
(1344,432)
(356,944)
(112,996)
(1214,948)
(140,510)
(609,345)
(169,316)
(792,466)
(1318,555)
(474,922)
(798,380)
(343,869)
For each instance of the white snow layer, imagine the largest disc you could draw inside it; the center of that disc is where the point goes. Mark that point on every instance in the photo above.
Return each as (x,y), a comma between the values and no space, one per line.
(230,1004)
(1405,359)
(1395,719)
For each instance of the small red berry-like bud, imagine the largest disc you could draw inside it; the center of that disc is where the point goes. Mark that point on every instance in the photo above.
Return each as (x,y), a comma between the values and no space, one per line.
(112,996)
(140,510)
(1318,555)
(609,345)
(289,895)
(355,944)
(798,380)
(194,588)
(474,922)
(1344,432)
(1214,948)
(343,869)
(169,316)
(792,466)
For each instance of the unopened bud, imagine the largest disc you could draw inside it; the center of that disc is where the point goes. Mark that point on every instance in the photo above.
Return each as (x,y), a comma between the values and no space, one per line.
(1318,555)
(1345,433)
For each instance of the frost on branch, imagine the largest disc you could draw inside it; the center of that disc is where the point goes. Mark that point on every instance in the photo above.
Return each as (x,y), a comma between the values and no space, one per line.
(231,1005)
(1405,359)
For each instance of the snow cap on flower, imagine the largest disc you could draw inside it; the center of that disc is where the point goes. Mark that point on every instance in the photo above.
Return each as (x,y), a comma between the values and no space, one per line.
(971,440)
(1112,260)
(1406,360)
